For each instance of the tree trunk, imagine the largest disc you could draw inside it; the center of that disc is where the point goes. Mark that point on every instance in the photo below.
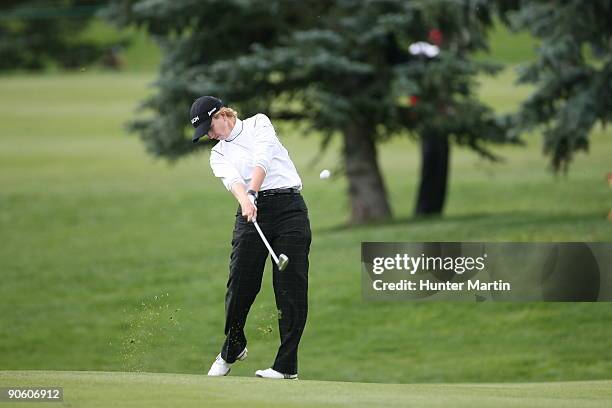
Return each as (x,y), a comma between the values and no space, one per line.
(434,175)
(367,194)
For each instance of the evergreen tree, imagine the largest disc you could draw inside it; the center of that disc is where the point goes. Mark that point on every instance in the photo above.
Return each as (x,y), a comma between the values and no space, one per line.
(35,32)
(572,72)
(342,65)
(442,106)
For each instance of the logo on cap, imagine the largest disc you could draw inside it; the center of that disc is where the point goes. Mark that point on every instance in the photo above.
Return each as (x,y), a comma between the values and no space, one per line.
(194,120)
(210,112)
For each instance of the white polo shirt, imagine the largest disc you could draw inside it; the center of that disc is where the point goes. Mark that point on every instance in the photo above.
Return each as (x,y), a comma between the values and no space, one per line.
(251,143)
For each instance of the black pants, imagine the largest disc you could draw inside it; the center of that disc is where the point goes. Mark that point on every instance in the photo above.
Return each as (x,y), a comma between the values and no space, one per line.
(284,221)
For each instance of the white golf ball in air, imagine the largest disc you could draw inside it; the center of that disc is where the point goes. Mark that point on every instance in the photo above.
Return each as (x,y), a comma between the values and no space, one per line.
(324,174)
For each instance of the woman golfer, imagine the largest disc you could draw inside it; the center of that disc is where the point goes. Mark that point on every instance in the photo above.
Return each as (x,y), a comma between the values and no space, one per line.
(254,165)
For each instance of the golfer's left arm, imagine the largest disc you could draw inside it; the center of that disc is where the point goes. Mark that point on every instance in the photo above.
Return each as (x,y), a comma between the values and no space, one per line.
(264,145)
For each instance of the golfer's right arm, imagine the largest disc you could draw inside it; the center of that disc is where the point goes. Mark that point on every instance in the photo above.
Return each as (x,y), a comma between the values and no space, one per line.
(232,180)
(249,210)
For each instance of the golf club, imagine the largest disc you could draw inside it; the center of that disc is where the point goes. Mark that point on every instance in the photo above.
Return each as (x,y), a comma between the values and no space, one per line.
(282,260)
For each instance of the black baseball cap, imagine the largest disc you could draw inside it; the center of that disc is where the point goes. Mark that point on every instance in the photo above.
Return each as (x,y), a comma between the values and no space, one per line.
(201,113)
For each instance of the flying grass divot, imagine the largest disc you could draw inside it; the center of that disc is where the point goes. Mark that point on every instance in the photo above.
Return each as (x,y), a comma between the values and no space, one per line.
(153,321)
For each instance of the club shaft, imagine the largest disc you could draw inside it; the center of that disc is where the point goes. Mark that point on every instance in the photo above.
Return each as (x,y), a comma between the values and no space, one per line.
(263,238)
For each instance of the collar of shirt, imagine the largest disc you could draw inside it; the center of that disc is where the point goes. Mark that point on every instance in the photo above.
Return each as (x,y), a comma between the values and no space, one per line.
(236,131)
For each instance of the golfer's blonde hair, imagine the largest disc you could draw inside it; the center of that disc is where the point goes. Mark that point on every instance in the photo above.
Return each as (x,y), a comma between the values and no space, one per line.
(227,112)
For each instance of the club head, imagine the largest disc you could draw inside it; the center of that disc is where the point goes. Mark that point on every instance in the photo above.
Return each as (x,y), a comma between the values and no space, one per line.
(283,260)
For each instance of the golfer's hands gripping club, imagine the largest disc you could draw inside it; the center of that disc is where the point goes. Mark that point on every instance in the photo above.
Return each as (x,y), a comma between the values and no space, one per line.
(249,209)
(248,199)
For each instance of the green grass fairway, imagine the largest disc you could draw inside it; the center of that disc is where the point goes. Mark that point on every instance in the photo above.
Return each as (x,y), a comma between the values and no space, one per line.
(114,261)
(129,390)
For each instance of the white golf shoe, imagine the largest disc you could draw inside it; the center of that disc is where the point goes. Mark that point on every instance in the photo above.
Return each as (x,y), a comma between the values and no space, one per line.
(221,368)
(275,375)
